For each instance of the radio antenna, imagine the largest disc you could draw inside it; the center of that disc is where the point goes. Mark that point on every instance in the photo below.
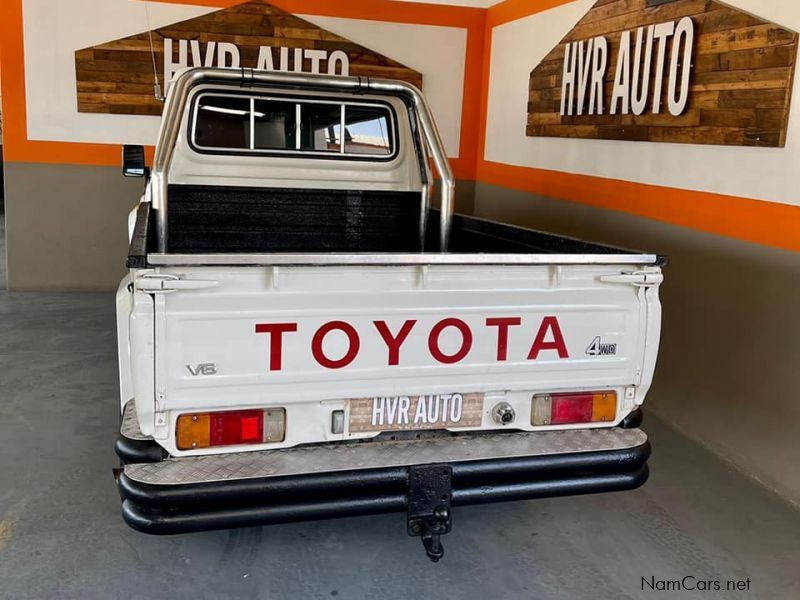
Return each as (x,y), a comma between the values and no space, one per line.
(156,84)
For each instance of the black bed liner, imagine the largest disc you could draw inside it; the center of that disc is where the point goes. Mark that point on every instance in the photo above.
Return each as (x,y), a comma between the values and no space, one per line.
(240,220)
(205,219)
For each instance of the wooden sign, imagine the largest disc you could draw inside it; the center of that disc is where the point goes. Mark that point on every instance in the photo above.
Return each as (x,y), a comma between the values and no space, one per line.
(685,71)
(118,77)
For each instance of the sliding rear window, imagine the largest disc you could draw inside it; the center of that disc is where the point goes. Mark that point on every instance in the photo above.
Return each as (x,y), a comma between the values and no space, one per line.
(227,123)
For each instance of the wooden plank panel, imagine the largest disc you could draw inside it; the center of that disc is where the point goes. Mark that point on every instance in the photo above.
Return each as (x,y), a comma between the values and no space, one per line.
(750,78)
(690,118)
(701,100)
(725,19)
(749,38)
(297,33)
(741,118)
(602,11)
(698,135)
(754,99)
(623,133)
(764,58)
(581,131)
(666,12)
(108,87)
(552,118)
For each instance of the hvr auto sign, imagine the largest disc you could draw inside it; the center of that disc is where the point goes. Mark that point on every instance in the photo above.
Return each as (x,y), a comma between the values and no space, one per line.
(227,55)
(586,65)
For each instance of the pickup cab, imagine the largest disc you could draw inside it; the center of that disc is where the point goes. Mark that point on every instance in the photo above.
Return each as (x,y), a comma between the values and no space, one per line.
(303,335)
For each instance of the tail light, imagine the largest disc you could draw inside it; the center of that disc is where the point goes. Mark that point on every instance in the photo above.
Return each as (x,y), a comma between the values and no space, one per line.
(572,408)
(230,428)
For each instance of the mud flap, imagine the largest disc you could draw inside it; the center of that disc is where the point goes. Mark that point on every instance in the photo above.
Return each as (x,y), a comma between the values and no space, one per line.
(429,516)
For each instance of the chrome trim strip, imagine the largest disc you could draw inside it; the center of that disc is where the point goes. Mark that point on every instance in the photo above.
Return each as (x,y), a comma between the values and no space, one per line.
(354,259)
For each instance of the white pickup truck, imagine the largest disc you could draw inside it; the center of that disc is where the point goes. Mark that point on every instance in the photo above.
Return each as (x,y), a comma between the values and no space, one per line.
(302,336)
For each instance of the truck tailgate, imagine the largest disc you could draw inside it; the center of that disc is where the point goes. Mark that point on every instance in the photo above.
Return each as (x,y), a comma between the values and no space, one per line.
(313,339)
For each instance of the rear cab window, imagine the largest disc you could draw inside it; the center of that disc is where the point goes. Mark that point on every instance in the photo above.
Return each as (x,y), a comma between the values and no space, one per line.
(230,123)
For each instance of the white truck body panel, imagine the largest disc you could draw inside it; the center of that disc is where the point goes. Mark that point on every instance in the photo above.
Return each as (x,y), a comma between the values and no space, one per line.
(217,325)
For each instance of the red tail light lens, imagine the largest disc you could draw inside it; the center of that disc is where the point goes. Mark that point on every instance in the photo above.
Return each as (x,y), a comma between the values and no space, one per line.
(237,427)
(571,408)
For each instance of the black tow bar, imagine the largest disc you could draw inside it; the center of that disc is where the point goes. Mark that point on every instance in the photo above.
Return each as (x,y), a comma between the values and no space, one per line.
(429,517)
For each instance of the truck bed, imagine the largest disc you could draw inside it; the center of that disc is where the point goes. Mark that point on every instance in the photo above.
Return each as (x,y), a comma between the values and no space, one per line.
(236,221)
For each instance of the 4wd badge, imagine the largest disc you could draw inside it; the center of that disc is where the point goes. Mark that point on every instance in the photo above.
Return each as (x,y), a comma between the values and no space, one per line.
(598,348)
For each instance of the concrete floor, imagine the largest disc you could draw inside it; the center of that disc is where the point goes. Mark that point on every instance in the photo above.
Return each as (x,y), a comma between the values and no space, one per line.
(61,535)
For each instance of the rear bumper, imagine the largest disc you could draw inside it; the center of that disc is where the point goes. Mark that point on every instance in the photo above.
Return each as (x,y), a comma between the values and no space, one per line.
(196,501)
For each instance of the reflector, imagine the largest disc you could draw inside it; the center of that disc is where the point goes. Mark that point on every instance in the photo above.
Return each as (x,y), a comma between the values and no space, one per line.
(193,432)
(604,406)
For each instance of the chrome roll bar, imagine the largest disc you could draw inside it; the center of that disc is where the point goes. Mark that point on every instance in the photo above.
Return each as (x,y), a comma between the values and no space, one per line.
(178,98)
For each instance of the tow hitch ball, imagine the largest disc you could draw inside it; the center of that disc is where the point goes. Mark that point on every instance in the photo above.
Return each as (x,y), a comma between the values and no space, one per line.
(429,493)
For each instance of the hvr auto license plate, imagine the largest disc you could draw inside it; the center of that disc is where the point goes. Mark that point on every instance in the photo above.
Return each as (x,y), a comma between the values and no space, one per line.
(430,411)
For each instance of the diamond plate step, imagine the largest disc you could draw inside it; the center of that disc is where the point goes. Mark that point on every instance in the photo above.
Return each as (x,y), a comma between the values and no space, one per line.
(129,427)
(375,455)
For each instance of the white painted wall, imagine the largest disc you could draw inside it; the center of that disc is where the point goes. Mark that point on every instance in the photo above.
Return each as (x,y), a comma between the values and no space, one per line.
(54,29)
(517,47)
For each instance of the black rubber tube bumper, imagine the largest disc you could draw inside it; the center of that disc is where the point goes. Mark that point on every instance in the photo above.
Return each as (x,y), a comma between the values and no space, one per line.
(171,509)
(132,451)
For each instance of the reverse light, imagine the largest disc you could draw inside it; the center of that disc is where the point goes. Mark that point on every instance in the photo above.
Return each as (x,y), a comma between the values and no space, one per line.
(229,428)
(572,408)
(337,421)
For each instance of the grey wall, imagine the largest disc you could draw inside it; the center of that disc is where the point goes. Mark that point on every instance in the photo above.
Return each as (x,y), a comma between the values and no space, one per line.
(66,226)
(465,197)
(729,367)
